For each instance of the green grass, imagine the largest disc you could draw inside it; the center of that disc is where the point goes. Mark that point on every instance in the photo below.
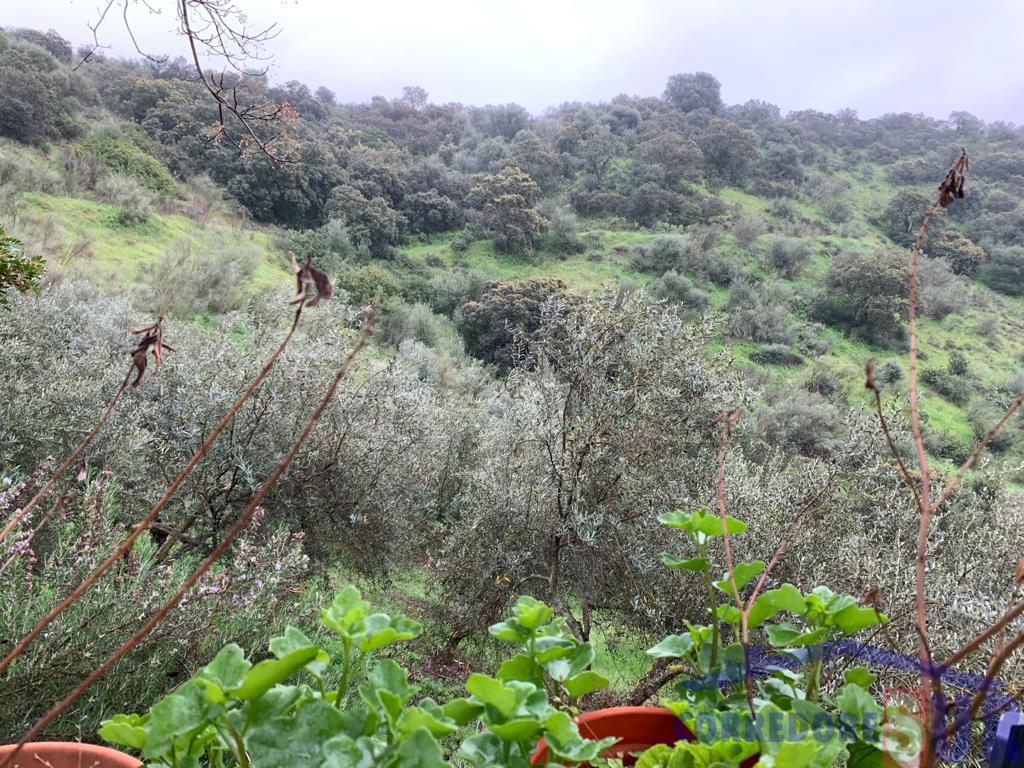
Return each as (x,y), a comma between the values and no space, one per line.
(116,254)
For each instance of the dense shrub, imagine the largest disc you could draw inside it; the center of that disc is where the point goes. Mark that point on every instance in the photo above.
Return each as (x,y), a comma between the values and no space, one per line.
(34,92)
(787,256)
(760,313)
(453,288)
(428,212)
(747,229)
(800,421)
(957,388)
(941,292)
(903,215)
(729,151)
(949,446)
(461,242)
(21,171)
(330,245)
(901,221)
(1004,271)
(122,156)
(204,199)
(50,41)
(509,312)
(134,205)
(714,267)
(889,373)
(677,289)
(372,223)
(507,204)
(983,416)
(363,284)
(825,380)
(563,235)
(649,204)
(830,195)
(965,257)
(579,442)
(350,481)
(1006,227)
(694,253)
(776,354)
(402,322)
(189,280)
(663,253)
(590,202)
(865,295)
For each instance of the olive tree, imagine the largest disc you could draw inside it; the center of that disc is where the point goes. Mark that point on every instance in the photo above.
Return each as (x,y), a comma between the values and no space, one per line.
(614,423)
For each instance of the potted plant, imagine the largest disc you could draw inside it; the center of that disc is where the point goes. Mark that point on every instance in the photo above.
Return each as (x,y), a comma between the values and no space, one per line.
(636,729)
(234,712)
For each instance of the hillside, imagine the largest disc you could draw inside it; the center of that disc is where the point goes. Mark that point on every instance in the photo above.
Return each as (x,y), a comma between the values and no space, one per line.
(831,203)
(582,318)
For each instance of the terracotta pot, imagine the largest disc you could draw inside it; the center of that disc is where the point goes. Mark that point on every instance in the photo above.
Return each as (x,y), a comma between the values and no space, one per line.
(637,728)
(66,754)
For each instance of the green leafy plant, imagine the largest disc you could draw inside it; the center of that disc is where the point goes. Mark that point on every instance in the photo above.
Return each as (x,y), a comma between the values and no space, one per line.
(236,712)
(786,717)
(17,271)
(517,710)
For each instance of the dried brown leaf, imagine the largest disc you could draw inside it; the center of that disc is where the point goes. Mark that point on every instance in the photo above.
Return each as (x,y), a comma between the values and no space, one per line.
(139,360)
(152,341)
(952,187)
(309,277)
(873,598)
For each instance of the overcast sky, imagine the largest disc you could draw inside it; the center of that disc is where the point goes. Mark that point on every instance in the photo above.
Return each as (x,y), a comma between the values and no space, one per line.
(875,56)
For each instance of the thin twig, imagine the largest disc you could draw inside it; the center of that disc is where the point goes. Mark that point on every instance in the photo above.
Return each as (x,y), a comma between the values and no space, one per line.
(923,498)
(869,383)
(994,667)
(785,540)
(952,485)
(1012,613)
(727,421)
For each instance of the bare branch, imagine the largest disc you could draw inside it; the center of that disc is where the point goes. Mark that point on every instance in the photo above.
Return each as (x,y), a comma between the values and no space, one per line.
(1014,407)
(220,30)
(869,383)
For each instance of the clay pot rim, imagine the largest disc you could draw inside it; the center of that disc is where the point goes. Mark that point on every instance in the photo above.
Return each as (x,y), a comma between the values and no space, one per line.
(57,751)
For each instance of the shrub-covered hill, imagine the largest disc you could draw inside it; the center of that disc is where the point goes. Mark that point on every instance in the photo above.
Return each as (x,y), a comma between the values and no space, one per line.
(789,233)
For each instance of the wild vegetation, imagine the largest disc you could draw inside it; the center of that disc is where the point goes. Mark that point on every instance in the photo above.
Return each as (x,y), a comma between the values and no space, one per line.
(571,312)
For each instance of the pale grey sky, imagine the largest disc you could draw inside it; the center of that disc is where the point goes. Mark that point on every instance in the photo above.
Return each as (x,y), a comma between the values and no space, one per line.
(875,56)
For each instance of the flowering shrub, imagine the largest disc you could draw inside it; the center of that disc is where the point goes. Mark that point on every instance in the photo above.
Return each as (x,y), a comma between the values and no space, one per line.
(236,600)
